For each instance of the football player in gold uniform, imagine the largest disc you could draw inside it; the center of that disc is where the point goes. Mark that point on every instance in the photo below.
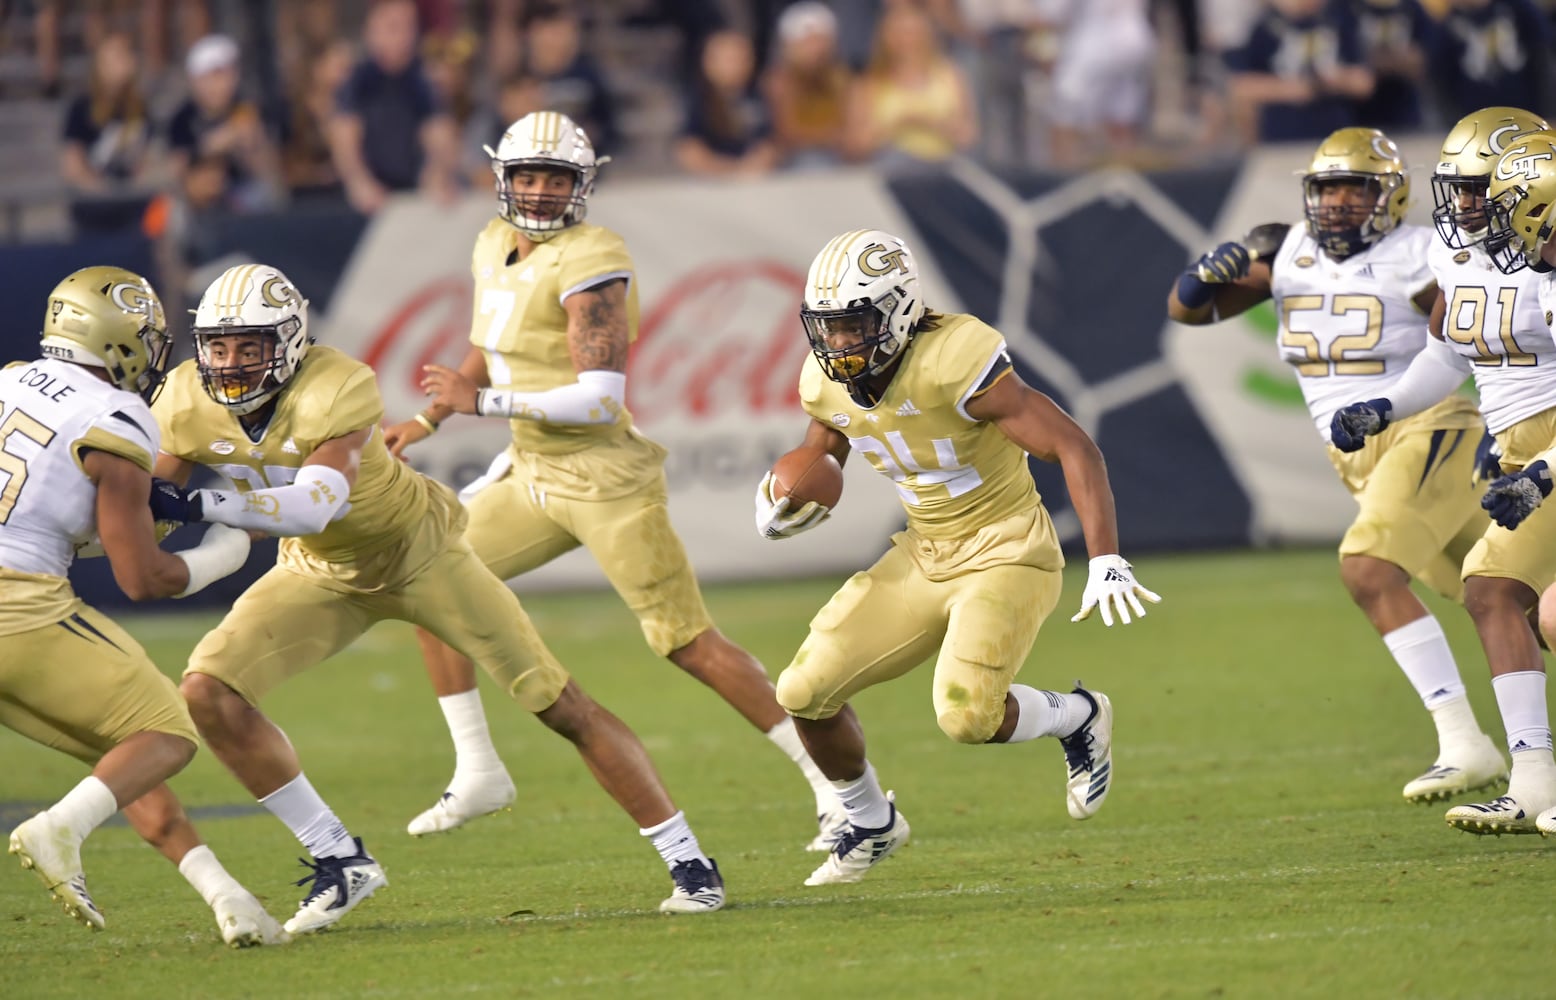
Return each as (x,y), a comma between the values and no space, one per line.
(556,306)
(364,538)
(1353,288)
(76,447)
(933,402)
(1518,553)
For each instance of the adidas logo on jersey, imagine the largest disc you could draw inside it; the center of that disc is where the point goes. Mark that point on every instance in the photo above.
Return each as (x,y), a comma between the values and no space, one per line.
(290,447)
(528,274)
(907,409)
(1365,272)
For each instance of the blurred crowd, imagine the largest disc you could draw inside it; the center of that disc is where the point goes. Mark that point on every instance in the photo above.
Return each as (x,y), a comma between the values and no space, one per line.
(185,110)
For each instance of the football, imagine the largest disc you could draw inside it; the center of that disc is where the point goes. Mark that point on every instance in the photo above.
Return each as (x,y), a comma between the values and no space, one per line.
(808,473)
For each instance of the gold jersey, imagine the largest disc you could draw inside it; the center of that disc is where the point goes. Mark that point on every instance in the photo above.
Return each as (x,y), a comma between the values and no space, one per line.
(960,480)
(331,395)
(520,325)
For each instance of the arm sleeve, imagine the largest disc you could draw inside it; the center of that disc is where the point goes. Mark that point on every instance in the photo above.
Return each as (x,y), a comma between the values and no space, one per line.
(1433,376)
(305,507)
(596,398)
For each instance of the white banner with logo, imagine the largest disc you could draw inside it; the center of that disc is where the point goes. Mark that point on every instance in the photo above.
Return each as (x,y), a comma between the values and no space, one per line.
(713,375)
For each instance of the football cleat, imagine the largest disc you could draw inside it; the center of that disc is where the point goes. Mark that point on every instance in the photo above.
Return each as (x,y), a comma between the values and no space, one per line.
(1459,771)
(1546,822)
(858,850)
(456,808)
(1501,815)
(245,924)
(699,888)
(831,823)
(1088,752)
(339,884)
(54,854)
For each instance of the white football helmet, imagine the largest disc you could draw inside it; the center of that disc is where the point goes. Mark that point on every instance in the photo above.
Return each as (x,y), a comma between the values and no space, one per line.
(544,140)
(862,303)
(251,299)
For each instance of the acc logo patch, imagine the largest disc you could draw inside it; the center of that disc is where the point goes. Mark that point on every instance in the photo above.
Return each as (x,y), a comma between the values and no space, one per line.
(841,419)
(1461,257)
(1303,261)
(223,447)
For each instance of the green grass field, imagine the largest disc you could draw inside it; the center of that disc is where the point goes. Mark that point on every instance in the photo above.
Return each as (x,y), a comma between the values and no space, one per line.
(1255,843)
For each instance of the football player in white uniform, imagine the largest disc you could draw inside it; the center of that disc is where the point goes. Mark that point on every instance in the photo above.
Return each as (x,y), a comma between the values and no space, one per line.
(76,447)
(1490,322)
(1353,292)
(556,309)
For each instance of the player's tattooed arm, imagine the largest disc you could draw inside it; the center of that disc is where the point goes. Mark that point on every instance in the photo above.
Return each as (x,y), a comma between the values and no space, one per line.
(597,327)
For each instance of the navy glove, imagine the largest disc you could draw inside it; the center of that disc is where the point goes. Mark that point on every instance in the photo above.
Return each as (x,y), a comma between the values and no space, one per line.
(1351,425)
(1221,266)
(1513,498)
(1488,460)
(170,502)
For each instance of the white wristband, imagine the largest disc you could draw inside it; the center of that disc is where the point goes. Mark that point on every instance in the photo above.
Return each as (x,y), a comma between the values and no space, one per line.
(221,552)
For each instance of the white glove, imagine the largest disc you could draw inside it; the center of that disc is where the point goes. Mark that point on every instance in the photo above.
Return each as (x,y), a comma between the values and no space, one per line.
(773,518)
(1110,585)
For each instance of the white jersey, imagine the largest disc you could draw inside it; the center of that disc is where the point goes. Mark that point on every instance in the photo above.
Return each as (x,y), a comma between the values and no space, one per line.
(1349,327)
(51,412)
(1497,321)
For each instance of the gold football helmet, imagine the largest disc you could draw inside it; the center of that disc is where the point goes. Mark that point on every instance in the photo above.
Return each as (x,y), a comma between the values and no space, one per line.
(109,318)
(1347,158)
(1519,203)
(1464,170)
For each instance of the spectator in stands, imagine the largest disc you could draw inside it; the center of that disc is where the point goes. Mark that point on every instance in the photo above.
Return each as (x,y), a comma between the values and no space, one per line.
(1493,53)
(309,165)
(728,128)
(107,137)
(215,123)
(554,55)
(1101,77)
(1396,35)
(807,87)
(1301,72)
(518,96)
(912,104)
(390,132)
(1001,35)
(449,60)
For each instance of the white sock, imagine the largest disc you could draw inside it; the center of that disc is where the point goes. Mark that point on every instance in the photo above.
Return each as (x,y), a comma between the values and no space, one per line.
(85,807)
(1047,713)
(866,803)
(1422,652)
(473,750)
(675,842)
(311,821)
(787,737)
(208,876)
(1521,698)
(1456,725)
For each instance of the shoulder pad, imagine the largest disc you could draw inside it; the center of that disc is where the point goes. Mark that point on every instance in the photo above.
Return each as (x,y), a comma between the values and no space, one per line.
(1263,242)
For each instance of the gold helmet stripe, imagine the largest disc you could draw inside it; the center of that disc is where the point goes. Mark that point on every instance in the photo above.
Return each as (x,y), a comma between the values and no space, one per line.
(836,265)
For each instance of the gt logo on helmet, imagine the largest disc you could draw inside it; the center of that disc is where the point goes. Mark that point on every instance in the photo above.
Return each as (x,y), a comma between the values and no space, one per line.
(1499,139)
(1511,166)
(130,298)
(889,260)
(276,292)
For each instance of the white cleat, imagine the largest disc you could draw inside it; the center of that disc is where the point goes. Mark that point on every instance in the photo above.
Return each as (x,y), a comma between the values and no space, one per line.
(1461,770)
(699,888)
(339,884)
(1546,822)
(54,854)
(245,924)
(456,808)
(857,851)
(1504,814)
(1088,753)
(832,823)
